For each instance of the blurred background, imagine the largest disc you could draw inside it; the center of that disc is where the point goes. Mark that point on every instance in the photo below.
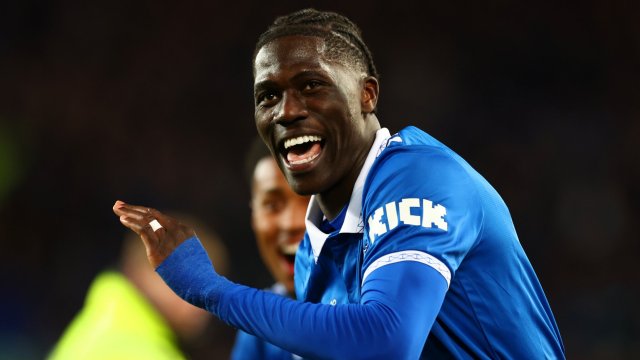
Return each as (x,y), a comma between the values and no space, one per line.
(152,103)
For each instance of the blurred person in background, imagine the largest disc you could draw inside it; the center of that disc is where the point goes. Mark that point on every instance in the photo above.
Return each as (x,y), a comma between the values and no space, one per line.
(130,313)
(277,219)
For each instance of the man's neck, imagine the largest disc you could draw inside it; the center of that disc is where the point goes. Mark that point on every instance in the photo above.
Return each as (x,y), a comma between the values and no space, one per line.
(334,199)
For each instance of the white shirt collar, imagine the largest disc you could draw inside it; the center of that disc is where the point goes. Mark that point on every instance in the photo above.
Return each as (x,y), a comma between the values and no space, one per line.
(353,222)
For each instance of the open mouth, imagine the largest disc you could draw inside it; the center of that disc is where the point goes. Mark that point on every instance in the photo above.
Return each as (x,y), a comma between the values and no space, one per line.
(288,255)
(302,150)
(290,259)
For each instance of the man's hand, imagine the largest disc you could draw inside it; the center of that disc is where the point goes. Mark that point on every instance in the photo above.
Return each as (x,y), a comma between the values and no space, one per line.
(159,243)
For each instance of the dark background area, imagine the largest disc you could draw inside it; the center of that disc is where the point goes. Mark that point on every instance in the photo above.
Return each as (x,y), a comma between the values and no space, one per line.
(152,104)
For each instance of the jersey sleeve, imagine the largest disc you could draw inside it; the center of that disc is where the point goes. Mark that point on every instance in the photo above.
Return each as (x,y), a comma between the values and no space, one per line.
(420,206)
(388,323)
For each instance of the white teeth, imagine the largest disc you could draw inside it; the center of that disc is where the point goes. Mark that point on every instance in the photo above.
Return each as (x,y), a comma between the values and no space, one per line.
(304,161)
(290,249)
(300,140)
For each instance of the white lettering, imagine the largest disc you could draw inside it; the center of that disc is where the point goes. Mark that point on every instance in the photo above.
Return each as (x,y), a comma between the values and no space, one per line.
(405,211)
(376,227)
(392,215)
(433,215)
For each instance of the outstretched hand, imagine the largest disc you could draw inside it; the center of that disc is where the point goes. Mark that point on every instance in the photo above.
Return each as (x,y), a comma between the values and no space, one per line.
(160,237)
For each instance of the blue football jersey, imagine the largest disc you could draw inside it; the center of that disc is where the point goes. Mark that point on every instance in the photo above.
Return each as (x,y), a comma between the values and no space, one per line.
(248,346)
(418,202)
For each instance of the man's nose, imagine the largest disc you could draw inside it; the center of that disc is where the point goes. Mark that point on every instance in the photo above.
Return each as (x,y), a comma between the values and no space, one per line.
(291,108)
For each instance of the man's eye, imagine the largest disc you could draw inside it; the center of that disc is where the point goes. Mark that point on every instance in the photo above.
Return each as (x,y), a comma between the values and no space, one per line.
(272,205)
(312,85)
(266,97)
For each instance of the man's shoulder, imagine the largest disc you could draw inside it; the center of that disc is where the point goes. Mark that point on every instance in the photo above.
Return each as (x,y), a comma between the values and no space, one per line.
(415,165)
(414,152)
(412,136)
(412,140)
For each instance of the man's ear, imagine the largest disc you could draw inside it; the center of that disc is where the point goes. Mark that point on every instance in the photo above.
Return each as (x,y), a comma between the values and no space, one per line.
(370,90)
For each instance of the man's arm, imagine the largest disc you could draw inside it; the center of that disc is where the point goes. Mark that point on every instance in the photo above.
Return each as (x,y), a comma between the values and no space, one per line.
(398,306)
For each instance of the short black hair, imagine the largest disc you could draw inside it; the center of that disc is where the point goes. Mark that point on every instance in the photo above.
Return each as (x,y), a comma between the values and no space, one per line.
(257,151)
(343,38)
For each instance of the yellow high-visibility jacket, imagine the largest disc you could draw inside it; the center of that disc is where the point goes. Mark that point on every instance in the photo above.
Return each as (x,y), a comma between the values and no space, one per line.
(116,322)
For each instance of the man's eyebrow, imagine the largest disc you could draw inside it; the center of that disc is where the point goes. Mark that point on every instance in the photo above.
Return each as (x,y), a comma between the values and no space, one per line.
(310,73)
(276,190)
(270,84)
(265,84)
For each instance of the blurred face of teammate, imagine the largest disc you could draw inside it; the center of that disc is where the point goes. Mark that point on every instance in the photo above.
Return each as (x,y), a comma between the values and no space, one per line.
(310,112)
(278,220)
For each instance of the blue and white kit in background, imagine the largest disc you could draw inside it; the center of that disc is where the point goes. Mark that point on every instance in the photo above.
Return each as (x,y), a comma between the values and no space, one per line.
(424,257)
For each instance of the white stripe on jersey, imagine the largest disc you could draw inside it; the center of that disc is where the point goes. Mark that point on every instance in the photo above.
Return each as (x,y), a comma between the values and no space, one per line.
(409,255)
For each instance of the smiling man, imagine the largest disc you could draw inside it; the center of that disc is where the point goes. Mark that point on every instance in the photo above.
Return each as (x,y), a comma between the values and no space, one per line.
(408,252)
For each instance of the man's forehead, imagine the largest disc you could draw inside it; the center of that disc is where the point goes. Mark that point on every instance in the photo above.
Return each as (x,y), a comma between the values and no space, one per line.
(267,174)
(288,52)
